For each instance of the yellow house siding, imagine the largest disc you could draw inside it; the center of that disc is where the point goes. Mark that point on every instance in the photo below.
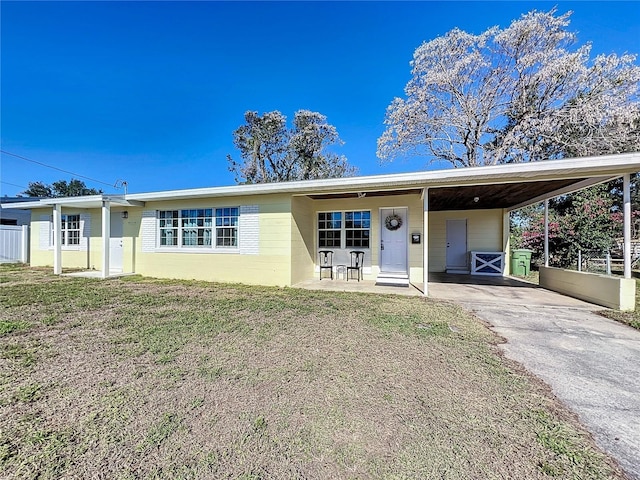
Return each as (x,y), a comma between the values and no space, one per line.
(39,257)
(271,266)
(484,233)
(413,203)
(302,239)
(42,256)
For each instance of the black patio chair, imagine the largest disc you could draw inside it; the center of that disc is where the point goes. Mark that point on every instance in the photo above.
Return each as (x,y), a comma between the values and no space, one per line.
(326,261)
(357,261)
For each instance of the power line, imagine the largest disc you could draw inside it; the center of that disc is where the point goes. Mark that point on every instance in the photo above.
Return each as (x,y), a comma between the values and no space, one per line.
(56,168)
(14,185)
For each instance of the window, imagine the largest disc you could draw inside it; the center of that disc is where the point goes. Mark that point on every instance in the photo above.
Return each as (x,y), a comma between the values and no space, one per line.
(196,227)
(227,227)
(169,228)
(329,229)
(357,226)
(355,229)
(70,232)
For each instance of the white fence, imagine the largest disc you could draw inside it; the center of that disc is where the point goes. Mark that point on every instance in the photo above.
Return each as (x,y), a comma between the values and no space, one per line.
(14,244)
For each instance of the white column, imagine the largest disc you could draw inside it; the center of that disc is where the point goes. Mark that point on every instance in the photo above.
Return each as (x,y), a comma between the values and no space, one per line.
(24,252)
(626,197)
(106,236)
(57,239)
(506,242)
(425,243)
(546,233)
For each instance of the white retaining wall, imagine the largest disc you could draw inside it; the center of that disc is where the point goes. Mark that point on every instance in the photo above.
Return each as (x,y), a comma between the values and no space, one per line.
(613,292)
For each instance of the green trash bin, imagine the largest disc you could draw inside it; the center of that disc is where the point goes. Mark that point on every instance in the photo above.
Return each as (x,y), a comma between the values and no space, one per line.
(521,262)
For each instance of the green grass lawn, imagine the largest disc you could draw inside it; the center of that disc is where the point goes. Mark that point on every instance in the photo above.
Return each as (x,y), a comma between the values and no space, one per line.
(142,378)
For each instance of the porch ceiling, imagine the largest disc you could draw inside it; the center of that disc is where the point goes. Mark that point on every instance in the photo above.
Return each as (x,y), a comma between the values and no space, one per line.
(495,195)
(502,195)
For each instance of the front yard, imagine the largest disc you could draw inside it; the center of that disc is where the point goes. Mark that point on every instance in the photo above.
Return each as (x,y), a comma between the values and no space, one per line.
(144,378)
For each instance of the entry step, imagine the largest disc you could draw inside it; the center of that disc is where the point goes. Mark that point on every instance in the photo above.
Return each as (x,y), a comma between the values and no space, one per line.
(393,279)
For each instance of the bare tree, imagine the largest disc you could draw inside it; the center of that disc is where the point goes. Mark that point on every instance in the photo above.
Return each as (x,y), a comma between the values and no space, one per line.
(518,94)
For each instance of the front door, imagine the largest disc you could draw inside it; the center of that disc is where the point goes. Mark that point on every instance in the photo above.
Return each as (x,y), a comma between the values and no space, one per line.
(457,246)
(393,240)
(115,243)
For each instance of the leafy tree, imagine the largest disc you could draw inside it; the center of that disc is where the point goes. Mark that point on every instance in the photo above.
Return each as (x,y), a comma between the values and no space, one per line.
(73,188)
(587,220)
(271,152)
(61,188)
(38,189)
(516,94)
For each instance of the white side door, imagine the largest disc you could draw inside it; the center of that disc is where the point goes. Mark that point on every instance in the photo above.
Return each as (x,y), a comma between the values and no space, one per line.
(457,245)
(393,243)
(115,243)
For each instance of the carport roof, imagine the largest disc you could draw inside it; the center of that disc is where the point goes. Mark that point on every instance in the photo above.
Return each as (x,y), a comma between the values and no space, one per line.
(500,186)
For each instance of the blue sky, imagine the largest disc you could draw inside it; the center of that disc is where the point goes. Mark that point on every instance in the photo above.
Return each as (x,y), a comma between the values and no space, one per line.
(151,92)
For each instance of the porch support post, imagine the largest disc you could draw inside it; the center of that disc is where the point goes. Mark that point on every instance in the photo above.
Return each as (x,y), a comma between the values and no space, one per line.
(626,197)
(106,236)
(57,239)
(546,233)
(506,241)
(425,243)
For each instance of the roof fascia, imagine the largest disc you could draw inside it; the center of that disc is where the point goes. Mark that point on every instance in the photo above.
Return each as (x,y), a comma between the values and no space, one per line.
(511,173)
(89,201)
(22,205)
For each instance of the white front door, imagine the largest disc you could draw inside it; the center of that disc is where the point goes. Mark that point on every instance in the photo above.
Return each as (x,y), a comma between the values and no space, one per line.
(393,240)
(457,246)
(115,243)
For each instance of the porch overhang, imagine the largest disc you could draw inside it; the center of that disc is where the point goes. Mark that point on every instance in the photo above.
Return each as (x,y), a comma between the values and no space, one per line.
(510,196)
(89,201)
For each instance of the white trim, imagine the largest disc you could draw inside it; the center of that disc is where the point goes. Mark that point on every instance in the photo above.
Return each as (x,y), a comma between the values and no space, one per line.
(249,229)
(57,239)
(510,173)
(149,231)
(44,227)
(343,229)
(626,220)
(425,242)
(204,251)
(546,233)
(573,168)
(85,231)
(106,237)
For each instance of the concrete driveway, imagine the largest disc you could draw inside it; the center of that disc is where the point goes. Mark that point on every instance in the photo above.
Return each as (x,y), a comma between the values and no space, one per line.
(591,363)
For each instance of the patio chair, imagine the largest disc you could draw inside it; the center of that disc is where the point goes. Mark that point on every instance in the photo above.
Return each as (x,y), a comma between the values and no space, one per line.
(357,260)
(326,261)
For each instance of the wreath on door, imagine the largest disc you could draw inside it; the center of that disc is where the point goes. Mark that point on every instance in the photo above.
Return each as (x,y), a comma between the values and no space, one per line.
(393,222)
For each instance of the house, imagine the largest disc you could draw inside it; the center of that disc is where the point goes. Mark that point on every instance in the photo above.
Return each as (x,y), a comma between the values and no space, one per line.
(15,216)
(408,224)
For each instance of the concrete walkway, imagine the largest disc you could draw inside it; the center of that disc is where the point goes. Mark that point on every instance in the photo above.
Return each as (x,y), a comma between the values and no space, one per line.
(591,363)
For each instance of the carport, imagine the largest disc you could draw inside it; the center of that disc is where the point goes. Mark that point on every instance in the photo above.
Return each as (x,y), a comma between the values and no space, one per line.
(511,187)
(475,291)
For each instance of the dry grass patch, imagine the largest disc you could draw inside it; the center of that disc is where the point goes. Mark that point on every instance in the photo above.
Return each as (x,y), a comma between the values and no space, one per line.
(143,378)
